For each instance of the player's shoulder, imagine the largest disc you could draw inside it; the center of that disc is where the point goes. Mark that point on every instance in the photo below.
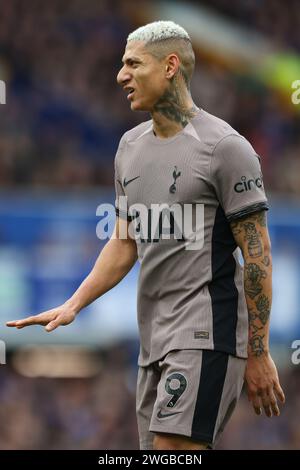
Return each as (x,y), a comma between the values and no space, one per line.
(136,132)
(213,131)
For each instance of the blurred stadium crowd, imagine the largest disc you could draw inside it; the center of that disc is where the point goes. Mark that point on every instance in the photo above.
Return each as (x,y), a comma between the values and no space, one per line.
(99,412)
(277,19)
(66,113)
(61,128)
(94,413)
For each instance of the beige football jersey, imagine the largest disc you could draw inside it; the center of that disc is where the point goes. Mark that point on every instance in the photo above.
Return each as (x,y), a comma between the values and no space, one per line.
(189,296)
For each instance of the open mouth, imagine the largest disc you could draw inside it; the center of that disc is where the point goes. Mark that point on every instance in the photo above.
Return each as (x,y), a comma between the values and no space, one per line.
(130,94)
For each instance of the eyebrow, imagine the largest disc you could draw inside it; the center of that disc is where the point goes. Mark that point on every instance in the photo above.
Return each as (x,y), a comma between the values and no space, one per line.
(131,59)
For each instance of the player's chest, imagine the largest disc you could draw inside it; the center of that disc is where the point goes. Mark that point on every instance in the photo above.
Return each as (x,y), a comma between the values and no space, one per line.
(165,176)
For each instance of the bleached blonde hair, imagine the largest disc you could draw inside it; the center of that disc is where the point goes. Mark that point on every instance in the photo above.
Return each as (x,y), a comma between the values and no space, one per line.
(165,37)
(157,31)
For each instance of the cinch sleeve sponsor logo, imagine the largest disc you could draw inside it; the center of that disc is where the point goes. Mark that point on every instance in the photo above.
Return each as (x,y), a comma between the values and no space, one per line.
(248,185)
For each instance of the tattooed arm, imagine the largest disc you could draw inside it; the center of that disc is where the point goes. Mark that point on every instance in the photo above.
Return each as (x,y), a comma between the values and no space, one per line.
(251,235)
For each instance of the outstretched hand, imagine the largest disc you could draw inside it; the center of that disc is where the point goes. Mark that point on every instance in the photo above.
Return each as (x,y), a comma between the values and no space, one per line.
(51,319)
(263,385)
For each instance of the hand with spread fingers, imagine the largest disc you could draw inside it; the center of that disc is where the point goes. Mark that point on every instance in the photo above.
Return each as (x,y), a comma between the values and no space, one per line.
(51,319)
(113,263)
(263,385)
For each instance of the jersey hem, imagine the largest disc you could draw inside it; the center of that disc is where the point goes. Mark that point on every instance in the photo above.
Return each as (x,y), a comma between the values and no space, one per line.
(218,348)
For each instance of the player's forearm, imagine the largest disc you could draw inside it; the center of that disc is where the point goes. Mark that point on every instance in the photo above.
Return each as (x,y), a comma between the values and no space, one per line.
(114,262)
(258,293)
(251,235)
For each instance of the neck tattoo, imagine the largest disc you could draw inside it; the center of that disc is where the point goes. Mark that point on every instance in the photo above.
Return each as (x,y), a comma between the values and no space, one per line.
(170,106)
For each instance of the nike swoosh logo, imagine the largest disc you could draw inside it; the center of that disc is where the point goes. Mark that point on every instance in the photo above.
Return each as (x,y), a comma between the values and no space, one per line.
(165,415)
(125,183)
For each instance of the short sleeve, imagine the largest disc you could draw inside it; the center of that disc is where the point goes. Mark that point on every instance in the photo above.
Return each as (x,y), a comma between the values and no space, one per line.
(237,178)
(120,206)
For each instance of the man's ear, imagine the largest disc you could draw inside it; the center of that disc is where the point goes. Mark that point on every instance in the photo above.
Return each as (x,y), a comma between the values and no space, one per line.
(172,65)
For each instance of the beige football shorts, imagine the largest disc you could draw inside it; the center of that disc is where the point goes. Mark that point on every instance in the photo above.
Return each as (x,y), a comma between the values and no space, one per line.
(189,392)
